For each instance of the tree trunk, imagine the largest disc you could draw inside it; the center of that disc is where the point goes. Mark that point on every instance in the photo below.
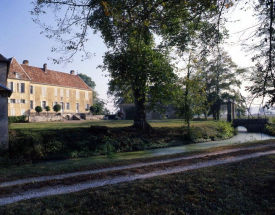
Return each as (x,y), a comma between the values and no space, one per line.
(140,121)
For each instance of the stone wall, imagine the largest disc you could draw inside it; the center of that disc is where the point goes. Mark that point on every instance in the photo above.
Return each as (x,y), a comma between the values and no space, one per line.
(45,118)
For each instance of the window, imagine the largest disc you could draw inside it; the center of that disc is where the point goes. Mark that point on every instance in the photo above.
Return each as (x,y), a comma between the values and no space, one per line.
(62,105)
(86,95)
(77,107)
(61,92)
(31,89)
(67,93)
(22,101)
(55,91)
(44,91)
(23,112)
(31,104)
(17,75)
(22,86)
(12,101)
(18,87)
(10,86)
(12,112)
(77,94)
(87,106)
(68,106)
(44,104)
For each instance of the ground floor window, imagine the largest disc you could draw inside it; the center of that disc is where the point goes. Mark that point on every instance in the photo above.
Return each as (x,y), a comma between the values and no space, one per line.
(62,105)
(44,104)
(12,112)
(87,106)
(31,104)
(23,112)
(68,106)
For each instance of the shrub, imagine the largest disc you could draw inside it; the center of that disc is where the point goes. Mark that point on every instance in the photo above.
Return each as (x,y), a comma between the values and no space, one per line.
(17,119)
(38,109)
(57,108)
(47,108)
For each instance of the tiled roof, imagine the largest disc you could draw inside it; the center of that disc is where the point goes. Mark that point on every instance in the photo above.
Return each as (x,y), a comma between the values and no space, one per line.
(16,68)
(51,77)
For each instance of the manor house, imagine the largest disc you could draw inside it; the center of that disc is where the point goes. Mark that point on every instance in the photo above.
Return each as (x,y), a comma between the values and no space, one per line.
(34,86)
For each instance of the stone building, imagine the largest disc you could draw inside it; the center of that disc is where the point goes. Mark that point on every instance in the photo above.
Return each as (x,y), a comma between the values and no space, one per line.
(40,86)
(4,94)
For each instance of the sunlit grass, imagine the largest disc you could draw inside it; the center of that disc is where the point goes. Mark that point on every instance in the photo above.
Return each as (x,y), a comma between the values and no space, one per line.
(109,123)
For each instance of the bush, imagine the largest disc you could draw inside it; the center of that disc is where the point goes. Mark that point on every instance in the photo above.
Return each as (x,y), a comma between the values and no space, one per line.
(57,108)
(38,109)
(225,130)
(17,119)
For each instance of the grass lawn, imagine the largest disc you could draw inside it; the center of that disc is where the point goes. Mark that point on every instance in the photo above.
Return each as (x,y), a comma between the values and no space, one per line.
(246,187)
(109,123)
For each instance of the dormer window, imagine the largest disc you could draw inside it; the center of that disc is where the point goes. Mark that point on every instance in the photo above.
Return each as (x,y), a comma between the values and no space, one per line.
(17,75)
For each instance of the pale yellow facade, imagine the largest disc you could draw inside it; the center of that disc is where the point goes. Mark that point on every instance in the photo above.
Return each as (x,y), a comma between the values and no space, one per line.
(25,98)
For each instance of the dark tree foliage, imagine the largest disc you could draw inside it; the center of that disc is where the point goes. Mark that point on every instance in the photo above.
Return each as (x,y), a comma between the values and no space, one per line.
(57,108)
(128,28)
(38,109)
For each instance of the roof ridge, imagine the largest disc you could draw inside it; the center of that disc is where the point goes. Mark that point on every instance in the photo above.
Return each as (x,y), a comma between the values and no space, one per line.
(47,69)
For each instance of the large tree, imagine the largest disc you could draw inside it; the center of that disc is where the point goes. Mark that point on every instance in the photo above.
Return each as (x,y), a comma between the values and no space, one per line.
(128,28)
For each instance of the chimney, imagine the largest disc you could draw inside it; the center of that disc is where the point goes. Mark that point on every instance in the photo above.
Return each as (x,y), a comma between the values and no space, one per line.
(72,72)
(45,67)
(26,62)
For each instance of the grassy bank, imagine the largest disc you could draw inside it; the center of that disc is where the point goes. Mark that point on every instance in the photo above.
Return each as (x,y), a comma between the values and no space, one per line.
(33,142)
(227,189)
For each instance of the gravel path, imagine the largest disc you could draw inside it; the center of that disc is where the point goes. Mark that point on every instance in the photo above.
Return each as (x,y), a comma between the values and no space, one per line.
(131,166)
(35,193)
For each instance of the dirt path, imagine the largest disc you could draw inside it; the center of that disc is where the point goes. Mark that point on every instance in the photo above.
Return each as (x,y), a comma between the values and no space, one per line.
(226,156)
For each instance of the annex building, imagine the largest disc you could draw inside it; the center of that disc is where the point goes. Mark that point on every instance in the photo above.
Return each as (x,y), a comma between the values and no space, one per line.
(36,86)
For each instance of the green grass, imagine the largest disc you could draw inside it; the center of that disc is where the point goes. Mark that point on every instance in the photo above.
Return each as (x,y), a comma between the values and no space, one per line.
(109,123)
(227,189)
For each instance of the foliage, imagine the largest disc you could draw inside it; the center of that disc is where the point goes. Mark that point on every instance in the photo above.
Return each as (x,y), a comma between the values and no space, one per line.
(47,143)
(108,148)
(128,29)
(98,108)
(220,77)
(262,45)
(57,108)
(17,119)
(47,108)
(88,80)
(38,109)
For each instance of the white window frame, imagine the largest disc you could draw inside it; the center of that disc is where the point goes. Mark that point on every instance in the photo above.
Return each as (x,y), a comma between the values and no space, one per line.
(55,91)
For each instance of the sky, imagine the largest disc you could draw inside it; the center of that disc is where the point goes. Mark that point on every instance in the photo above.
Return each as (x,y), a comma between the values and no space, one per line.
(20,38)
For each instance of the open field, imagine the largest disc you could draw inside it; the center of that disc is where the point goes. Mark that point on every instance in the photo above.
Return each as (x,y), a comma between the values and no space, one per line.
(226,189)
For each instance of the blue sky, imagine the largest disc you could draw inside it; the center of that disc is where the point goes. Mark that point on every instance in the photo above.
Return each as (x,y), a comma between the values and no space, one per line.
(20,38)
